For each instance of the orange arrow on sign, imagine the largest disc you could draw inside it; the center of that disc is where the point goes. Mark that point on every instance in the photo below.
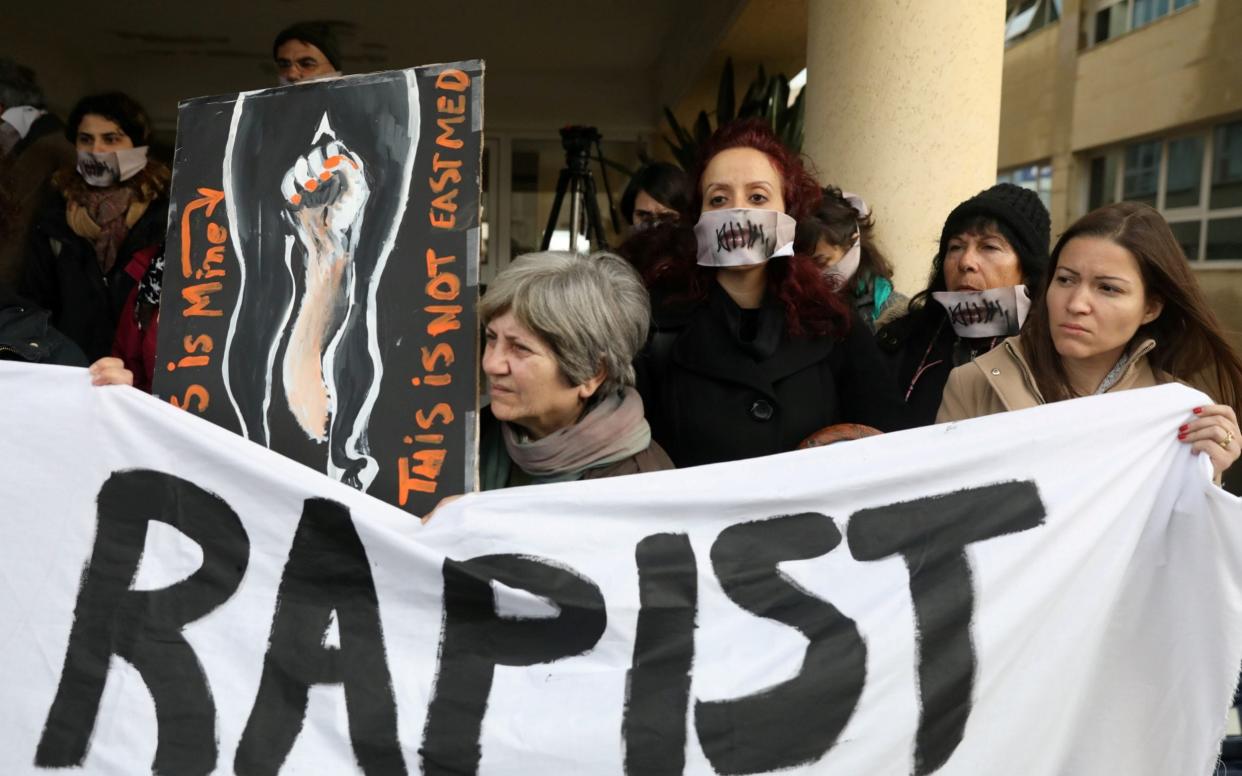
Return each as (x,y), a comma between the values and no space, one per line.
(209,199)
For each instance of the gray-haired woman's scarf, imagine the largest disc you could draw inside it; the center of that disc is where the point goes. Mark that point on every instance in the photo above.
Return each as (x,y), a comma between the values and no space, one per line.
(613,430)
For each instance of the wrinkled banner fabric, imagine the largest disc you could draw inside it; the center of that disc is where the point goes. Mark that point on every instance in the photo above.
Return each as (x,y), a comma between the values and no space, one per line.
(1054,591)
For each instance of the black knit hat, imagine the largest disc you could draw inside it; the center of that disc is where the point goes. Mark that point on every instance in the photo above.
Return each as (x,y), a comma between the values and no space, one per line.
(317,34)
(1018,209)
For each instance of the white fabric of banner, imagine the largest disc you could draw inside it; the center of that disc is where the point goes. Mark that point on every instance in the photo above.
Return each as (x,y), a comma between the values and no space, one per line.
(1104,637)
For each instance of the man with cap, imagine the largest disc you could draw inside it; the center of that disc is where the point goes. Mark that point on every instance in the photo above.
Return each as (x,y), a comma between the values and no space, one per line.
(992,248)
(306,51)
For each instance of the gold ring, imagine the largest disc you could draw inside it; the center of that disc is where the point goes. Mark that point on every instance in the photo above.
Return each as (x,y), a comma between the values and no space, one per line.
(1228,440)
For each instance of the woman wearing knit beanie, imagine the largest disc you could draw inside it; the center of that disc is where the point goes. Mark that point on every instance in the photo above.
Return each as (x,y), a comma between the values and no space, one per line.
(992,247)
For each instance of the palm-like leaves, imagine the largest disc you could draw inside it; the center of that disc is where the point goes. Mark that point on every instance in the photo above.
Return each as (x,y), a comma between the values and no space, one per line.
(766,97)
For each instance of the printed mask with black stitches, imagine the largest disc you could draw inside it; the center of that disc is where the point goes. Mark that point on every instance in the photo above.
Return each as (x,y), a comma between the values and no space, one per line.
(743,237)
(995,312)
(839,274)
(111,167)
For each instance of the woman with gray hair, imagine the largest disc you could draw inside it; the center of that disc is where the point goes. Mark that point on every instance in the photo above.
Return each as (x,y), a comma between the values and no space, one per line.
(562,331)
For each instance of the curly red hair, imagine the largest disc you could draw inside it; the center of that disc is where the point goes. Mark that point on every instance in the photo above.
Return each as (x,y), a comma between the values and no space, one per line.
(811,305)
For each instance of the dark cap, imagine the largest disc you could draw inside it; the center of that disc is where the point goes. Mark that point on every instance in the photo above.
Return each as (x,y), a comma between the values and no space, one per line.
(1017,208)
(318,34)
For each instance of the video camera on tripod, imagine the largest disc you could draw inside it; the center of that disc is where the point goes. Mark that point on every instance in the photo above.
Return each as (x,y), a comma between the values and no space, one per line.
(577,181)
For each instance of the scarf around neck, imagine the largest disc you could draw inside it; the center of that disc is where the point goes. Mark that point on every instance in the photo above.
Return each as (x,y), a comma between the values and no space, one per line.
(104,217)
(613,430)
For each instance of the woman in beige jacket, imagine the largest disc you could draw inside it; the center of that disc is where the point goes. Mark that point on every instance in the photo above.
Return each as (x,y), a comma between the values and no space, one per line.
(1120,309)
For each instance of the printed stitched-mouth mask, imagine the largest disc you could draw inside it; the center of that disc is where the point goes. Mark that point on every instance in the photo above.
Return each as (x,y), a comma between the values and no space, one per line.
(111,167)
(743,237)
(840,273)
(996,312)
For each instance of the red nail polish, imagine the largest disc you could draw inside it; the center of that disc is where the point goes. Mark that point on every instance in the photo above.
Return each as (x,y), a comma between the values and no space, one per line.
(1183,429)
(1198,410)
(1181,436)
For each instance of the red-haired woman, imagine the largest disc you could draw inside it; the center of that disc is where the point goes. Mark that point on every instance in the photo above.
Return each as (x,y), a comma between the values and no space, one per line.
(753,350)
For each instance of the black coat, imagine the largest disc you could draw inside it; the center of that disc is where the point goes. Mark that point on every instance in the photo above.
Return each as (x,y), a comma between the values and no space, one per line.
(711,396)
(923,349)
(62,275)
(25,334)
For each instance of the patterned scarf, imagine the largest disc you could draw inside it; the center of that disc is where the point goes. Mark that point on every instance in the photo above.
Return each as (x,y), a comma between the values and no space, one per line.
(613,430)
(104,217)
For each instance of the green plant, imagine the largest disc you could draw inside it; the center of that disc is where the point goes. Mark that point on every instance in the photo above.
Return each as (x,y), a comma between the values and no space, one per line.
(767,97)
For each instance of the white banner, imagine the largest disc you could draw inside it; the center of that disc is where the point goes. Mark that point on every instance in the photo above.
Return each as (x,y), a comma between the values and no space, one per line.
(1054,591)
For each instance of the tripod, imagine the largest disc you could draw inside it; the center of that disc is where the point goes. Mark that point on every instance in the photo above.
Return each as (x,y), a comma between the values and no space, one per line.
(576,180)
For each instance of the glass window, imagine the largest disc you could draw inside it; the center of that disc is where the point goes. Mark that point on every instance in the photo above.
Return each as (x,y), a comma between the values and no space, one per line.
(1227,166)
(1142,172)
(1103,181)
(1147,11)
(536,167)
(1111,21)
(1187,234)
(1185,172)
(529,185)
(1224,239)
(1023,19)
(1180,4)
(1036,177)
(1027,16)
(1044,188)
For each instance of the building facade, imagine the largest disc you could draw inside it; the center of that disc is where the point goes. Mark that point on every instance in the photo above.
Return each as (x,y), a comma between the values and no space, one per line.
(1109,100)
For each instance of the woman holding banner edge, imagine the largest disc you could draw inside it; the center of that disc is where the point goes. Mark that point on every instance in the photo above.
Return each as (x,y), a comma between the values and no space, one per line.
(1120,309)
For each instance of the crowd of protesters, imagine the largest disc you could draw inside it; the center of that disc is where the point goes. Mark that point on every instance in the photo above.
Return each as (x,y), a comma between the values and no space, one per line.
(749,312)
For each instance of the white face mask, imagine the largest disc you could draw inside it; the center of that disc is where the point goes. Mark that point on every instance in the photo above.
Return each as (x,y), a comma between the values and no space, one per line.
(743,237)
(111,167)
(324,77)
(996,312)
(840,273)
(21,117)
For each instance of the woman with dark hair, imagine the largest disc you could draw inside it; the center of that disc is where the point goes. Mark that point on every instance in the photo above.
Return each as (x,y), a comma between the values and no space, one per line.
(992,248)
(658,193)
(93,240)
(754,350)
(1121,309)
(840,236)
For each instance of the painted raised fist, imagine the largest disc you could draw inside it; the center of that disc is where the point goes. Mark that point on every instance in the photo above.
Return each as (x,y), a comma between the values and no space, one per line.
(325,192)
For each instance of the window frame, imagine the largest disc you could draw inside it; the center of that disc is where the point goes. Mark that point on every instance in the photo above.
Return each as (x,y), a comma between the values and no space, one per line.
(1006,175)
(1092,9)
(1202,213)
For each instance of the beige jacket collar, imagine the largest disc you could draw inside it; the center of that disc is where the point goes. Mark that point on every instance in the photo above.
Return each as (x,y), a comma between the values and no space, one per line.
(1007,371)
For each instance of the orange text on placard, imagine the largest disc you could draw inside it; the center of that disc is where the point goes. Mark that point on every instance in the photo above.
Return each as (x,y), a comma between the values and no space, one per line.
(202,269)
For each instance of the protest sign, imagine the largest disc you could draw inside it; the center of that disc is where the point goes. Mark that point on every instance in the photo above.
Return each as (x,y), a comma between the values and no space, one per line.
(1053,591)
(321,275)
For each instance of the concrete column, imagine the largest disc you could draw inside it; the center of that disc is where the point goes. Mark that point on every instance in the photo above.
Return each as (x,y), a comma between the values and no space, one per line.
(903,108)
